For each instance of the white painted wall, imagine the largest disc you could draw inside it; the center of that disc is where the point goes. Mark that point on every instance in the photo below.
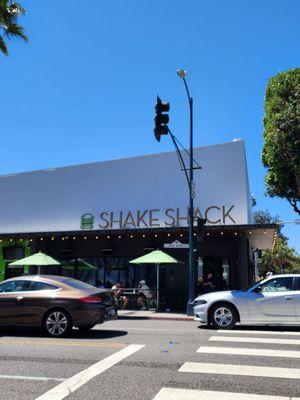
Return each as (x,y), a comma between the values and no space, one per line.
(55,199)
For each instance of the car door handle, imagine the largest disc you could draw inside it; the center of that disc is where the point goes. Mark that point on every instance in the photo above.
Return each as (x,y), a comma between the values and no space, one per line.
(19,299)
(288,297)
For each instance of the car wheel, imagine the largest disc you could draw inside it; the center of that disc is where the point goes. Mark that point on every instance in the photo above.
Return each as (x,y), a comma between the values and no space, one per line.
(57,323)
(223,316)
(85,327)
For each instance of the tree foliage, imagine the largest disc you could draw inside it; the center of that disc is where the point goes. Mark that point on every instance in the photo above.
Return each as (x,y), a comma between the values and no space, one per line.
(9,28)
(282,258)
(281,151)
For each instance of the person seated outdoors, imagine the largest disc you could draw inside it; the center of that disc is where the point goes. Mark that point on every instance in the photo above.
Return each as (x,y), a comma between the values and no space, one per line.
(120,300)
(143,295)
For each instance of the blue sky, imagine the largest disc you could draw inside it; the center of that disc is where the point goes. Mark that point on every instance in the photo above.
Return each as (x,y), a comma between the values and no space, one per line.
(84,88)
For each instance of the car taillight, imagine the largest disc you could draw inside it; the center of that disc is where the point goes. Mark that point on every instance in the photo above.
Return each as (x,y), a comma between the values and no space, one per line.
(91,299)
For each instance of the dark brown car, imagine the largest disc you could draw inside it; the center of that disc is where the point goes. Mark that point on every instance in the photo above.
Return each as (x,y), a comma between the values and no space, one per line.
(55,303)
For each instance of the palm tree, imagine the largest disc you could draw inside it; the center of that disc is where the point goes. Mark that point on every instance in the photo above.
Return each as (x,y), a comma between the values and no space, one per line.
(9,13)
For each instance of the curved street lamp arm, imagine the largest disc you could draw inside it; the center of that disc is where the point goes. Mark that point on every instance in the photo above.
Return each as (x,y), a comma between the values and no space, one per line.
(187,90)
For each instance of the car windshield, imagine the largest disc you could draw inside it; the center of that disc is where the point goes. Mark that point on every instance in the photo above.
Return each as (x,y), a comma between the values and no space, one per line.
(253,285)
(78,284)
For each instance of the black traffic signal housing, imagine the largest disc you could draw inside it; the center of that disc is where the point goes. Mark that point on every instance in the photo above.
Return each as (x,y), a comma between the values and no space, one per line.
(200,229)
(161,119)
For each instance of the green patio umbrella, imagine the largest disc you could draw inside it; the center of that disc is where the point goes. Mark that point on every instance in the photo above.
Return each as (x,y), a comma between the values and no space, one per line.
(39,259)
(156,257)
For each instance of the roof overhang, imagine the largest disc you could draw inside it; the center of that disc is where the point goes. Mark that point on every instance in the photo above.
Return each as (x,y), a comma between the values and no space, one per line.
(261,236)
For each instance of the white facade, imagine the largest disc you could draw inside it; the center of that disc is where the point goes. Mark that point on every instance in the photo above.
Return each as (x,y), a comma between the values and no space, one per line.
(141,192)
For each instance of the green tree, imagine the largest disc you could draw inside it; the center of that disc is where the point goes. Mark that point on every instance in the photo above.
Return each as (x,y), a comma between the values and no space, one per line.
(9,28)
(281,151)
(282,258)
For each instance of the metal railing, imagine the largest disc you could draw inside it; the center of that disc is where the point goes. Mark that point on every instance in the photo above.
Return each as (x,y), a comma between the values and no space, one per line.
(133,299)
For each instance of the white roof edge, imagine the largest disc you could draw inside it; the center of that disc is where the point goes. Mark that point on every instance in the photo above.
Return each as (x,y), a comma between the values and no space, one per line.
(51,169)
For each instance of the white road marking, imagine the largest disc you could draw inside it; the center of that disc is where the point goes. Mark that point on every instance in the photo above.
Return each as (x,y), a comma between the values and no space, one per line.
(254,340)
(76,381)
(237,332)
(188,394)
(31,378)
(246,370)
(248,352)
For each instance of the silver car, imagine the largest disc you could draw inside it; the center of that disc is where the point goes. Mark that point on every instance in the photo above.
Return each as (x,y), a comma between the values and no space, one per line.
(272,301)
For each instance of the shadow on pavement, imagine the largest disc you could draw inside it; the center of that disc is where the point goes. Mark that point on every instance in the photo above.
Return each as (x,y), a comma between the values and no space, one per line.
(74,334)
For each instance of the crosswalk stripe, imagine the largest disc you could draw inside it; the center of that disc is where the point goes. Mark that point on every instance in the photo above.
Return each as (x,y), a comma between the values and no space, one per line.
(248,352)
(260,332)
(247,370)
(254,340)
(189,394)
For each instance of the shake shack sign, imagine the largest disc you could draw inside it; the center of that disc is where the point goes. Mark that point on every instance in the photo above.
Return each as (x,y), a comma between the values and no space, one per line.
(156,218)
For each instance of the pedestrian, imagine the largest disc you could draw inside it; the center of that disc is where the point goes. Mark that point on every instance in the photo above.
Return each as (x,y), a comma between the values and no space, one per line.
(143,295)
(210,284)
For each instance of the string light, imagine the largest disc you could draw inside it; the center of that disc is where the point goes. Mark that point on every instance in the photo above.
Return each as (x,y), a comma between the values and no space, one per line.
(41,238)
(235,233)
(181,235)
(74,237)
(207,234)
(62,238)
(144,235)
(85,238)
(169,234)
(222,233)
(97,237)
(156,235)
(120,237)
(107,237)
(52,238)
(131,236)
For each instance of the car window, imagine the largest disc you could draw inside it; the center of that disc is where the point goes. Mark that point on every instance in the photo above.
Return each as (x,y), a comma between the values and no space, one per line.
(42,286)
(283,284)
(15,286)
(297,283)
(74,283)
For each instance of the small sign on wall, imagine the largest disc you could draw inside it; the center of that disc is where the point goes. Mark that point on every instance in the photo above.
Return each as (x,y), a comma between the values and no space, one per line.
(176,245)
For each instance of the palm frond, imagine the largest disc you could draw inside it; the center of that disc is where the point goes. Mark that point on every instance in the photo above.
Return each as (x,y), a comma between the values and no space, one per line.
(15,30)
(3,47)
(16,8)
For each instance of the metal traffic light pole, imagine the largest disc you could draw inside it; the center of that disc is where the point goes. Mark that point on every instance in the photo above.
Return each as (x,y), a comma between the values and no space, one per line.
(190,304)
(161,128)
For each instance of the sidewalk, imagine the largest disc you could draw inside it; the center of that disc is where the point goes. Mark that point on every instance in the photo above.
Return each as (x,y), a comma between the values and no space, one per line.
(152,314)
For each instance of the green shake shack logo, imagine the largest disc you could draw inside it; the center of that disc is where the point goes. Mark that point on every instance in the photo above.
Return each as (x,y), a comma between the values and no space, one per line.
(87,221)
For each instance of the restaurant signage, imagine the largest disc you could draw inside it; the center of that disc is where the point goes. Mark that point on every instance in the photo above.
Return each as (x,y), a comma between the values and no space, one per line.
(176,245)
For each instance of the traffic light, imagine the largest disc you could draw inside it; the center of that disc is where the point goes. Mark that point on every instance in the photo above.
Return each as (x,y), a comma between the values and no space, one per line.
(200,229)
(161,119)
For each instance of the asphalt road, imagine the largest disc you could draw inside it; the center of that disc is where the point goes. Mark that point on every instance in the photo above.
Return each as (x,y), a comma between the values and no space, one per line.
(148,359)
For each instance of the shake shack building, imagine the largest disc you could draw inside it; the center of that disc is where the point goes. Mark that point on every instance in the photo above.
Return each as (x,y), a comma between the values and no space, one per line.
(96,217)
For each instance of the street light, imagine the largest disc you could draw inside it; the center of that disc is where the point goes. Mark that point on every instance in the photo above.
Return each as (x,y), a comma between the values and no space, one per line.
(190,311)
